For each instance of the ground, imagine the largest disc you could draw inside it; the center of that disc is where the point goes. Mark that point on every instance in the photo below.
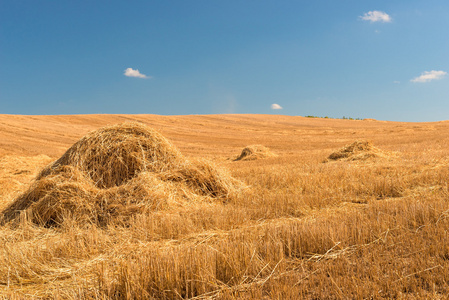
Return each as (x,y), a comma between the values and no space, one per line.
(305,227)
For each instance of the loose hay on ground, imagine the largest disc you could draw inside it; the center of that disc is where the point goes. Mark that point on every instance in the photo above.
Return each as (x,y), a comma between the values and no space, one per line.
(254,152)
(115,172)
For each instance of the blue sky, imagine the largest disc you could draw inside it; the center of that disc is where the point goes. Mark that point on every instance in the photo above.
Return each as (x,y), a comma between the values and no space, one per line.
(381,59)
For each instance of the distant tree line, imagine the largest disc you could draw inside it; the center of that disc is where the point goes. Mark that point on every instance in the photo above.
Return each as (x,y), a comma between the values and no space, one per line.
(326,117)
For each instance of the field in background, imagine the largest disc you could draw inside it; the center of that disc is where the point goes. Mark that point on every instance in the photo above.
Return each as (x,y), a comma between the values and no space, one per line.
(305,228)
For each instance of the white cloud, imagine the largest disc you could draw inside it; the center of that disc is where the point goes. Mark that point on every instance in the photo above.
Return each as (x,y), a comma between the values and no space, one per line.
(134,73)
(275,106)
(376,16)
(396,82)
(429,75)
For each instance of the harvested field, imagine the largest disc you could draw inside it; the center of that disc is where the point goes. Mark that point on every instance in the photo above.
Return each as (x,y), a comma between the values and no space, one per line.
(127,207)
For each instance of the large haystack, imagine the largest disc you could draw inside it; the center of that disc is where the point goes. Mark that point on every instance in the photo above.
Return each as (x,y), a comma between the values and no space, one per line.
(358,150)
(254,152)
(115,172)
(112,155)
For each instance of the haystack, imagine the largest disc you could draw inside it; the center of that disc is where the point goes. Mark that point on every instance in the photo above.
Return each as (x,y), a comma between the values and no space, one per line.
(253,152)
(358,150)
(115,172)
(112,155)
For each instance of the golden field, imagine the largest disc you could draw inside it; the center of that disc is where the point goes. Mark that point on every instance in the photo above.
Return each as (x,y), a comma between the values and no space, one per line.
(300,226)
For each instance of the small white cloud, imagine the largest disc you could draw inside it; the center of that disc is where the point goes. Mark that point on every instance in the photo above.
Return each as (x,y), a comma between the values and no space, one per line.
(429,75)
(129,72)
(396,82)
(275,106)
(376,16)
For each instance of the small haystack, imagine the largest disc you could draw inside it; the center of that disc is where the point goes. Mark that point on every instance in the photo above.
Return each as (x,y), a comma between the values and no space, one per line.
(115,172)
(254,152)
(358,150)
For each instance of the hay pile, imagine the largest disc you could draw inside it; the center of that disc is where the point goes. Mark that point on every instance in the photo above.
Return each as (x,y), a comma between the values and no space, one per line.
(358,150)
(115,172)
(254,152)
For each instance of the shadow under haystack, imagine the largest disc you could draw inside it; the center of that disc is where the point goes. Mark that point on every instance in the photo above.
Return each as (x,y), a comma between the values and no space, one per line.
(115,172)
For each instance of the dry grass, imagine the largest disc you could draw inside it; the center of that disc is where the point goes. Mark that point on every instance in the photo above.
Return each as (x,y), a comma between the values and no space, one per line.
(350,229)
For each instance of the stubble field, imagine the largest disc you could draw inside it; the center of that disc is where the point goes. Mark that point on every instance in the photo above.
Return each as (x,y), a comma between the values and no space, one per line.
(313,220)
